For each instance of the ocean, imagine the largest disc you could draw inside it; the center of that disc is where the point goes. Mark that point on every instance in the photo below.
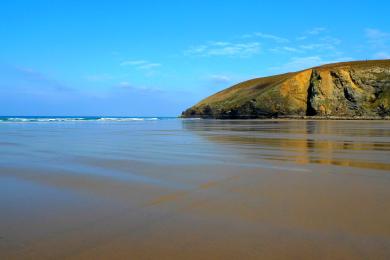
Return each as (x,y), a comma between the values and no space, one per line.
(45,119)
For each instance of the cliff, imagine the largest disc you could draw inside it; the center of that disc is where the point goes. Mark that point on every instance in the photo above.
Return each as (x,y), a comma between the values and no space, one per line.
(359,89)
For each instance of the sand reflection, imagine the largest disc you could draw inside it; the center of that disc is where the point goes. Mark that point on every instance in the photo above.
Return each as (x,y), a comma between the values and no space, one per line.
(341,143)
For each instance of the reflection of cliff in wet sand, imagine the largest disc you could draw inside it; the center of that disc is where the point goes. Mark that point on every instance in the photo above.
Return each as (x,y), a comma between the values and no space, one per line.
(303,142)
(341,90)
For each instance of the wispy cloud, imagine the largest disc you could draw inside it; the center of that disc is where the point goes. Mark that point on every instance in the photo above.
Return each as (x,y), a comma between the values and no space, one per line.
(133,62)
(20,85)
(221,48)
(219,79)
(378,41)
(309,34)
(320,45)
(285,49)
(317,46)
(140,64)
(316,30)
(376,34)
(32,78)
(149,66)
(290,49)
(304,62)
(297,63)
(382,55)
(301,38)
(311,42)
(266,36)
(127,86)
(377,38)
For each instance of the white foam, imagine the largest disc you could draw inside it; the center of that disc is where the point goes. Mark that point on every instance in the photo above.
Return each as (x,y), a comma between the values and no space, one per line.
(72,119)
(119,119)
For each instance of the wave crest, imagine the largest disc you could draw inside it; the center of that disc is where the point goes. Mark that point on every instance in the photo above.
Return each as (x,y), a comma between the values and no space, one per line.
(73,119)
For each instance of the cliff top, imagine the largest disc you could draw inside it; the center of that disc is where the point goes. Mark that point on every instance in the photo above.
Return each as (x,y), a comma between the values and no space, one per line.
(288,94)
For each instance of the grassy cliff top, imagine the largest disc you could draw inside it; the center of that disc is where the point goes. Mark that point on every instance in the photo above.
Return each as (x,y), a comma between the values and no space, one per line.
(246,89)
(288,93)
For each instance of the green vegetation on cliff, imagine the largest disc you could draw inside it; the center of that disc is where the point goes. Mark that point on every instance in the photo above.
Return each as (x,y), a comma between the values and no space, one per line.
(347,89)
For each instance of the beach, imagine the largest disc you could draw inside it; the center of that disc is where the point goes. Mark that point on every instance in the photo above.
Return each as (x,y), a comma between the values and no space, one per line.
(165,188)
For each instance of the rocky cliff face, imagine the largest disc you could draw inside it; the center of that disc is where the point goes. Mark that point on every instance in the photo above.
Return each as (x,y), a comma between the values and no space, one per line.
(352,89)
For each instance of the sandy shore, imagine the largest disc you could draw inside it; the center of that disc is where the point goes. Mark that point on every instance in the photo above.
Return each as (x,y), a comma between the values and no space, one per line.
(195,190)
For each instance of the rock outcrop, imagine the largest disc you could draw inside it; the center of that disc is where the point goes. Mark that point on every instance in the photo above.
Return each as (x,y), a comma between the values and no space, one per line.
(358,89)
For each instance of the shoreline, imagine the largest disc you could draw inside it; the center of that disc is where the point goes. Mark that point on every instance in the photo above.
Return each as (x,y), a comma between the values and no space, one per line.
(307,118)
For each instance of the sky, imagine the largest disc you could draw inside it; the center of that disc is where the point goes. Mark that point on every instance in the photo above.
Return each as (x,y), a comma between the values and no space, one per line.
(157,58)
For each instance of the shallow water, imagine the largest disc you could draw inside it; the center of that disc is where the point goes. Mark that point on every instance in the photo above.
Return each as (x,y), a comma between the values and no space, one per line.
(194,189)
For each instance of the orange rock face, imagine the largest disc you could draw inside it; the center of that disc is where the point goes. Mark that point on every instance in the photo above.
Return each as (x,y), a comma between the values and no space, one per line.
(352,89)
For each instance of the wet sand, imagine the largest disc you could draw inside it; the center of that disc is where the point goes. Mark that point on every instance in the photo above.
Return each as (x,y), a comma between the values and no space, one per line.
(195,189)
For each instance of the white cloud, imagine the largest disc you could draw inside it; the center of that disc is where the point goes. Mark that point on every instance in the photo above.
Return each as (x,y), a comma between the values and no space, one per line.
(376,34)
(290,49)
(127,86)
(317,46)
(311,48)
(240,49)
(382,55)
(312,42)
(377,38)
(219,79)
(124,84)
(300,63)
(30,81)
(149,66)
(286,49)
(301,38)
(330,40)
(133,62)
(324,44)
(379,42)
(271,37)
(316,30)
(140,64)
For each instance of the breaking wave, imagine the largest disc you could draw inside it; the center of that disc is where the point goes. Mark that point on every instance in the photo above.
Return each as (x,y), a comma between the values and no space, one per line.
(75,119)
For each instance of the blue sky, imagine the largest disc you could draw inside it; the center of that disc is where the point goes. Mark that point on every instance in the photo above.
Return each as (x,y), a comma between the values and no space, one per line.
(150,58)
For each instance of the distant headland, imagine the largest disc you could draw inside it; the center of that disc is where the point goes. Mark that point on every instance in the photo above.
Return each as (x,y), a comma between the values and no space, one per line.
(346,90)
